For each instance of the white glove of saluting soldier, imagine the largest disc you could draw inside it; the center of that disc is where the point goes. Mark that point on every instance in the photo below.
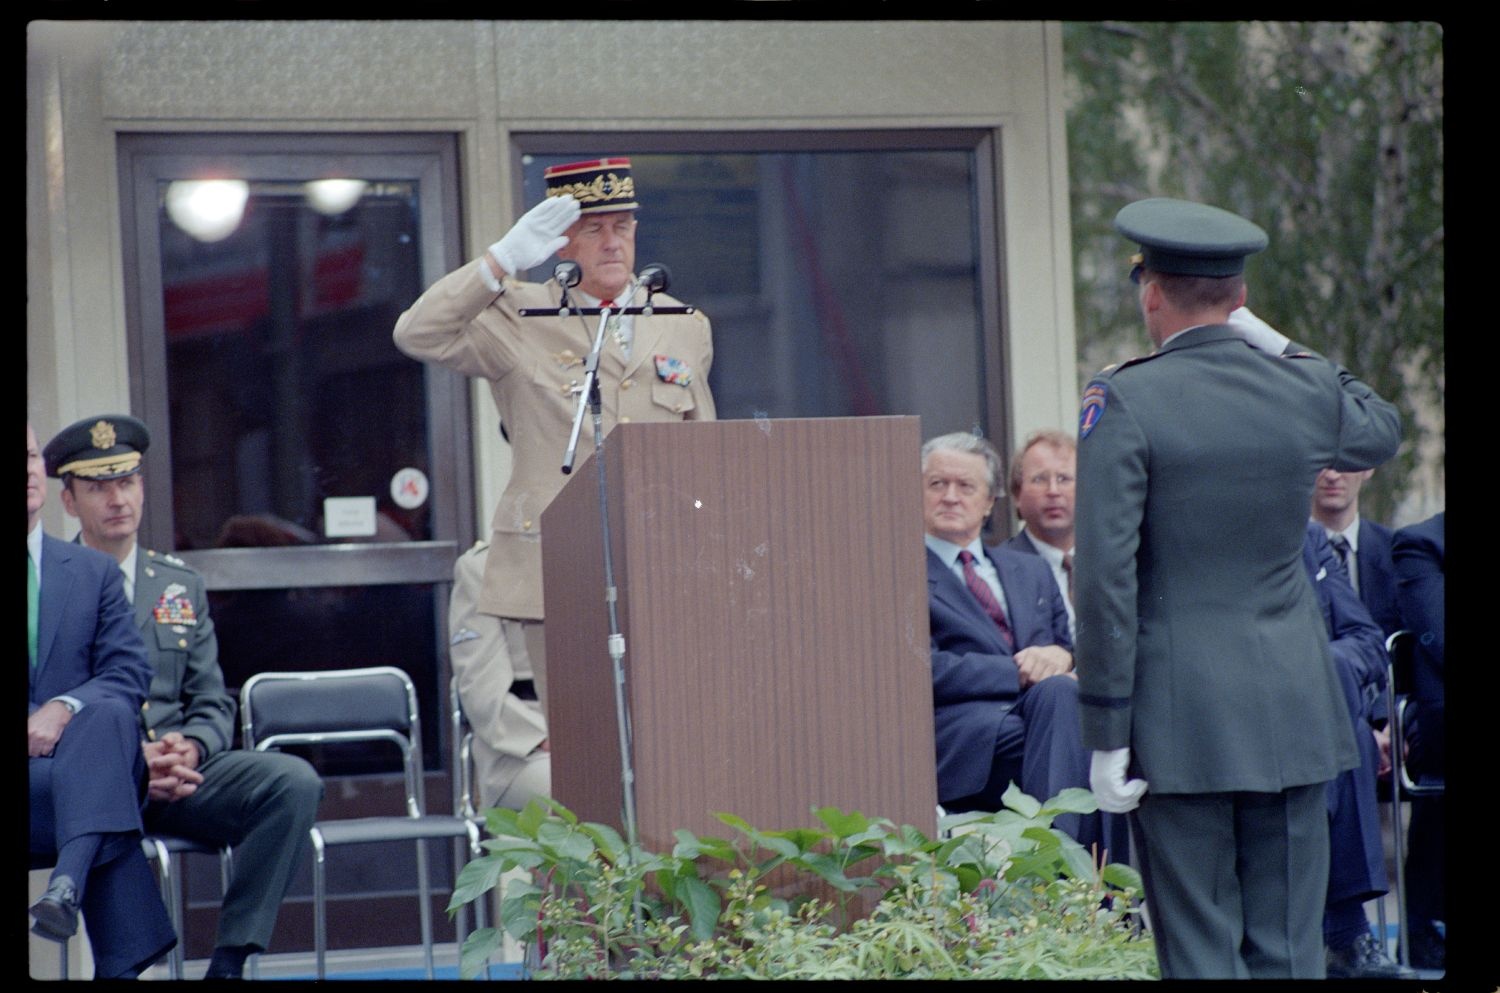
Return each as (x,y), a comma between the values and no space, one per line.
(1115,793)
(536,235)
(1257,333)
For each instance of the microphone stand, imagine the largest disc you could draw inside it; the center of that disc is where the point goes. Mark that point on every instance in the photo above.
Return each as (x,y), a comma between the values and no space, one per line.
(589,398)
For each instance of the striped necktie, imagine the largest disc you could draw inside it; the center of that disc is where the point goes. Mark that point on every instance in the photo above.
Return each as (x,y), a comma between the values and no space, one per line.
(986,597)
(1341,549)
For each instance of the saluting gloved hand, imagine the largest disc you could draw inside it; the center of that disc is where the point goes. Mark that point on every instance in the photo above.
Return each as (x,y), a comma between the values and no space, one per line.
(1257,333)
(1107,779)
(536,235)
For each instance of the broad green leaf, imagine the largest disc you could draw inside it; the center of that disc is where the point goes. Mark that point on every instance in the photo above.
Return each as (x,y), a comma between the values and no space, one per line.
(478,947)
(702,903)
(1021,803)
(474,880)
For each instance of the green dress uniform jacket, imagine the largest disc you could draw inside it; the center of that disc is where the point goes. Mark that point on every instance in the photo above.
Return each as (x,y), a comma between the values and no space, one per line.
(534,366)
(187,689)
(1200,641)
(262,804)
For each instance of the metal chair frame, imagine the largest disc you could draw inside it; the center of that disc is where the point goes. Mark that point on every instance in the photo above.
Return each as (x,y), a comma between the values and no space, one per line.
(167,851)
(1398,649)
(345,717)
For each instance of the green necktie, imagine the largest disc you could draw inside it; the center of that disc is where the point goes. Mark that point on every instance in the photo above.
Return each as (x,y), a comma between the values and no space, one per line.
(32,599)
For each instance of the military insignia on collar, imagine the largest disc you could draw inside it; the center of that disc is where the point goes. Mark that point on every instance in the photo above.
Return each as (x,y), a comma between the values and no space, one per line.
(175,607)
(670,370)
(1093,408)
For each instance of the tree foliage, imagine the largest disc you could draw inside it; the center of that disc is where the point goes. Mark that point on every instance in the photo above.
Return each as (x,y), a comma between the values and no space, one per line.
(1329,136)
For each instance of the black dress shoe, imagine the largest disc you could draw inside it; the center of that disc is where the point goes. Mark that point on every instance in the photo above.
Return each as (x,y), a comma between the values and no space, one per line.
(56,913)
(1363,958)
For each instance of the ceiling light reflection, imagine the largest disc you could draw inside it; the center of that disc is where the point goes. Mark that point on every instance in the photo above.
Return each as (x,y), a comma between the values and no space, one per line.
(332,197)
(208,209)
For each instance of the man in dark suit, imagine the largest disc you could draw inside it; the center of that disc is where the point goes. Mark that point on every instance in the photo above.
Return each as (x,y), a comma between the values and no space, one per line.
(1356,868)
(88,678)
(1203,663)
(201,786)
(1004,695)
(1363,546)
(1417,552)
(1042,486)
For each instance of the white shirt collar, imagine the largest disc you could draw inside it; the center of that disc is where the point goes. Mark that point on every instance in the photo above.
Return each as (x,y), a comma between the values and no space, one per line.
(34,546)
(1350,533)
(128,568)
(1051,553)
(948,551)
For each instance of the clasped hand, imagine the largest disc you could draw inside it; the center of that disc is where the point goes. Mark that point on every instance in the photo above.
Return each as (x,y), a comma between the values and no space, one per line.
(172,767)
(1037,662)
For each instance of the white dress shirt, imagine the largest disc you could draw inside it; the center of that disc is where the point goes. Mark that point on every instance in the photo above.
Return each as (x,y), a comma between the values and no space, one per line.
(948,552)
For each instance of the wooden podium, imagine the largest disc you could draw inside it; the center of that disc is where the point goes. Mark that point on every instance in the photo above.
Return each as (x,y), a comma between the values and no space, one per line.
(772,595)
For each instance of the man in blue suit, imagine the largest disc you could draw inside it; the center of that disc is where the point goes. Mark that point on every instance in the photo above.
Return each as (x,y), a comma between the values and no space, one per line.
(88,679)
(1005,699)
(1356,870)
(1363,546)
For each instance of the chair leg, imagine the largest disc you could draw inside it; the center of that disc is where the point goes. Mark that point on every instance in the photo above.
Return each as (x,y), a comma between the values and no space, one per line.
(170,881)
(426,908)
(1398,834)
(461,918)
(320,937)
(62,960)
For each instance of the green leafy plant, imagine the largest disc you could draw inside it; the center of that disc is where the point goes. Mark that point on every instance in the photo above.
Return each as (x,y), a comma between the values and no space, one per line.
(997,895)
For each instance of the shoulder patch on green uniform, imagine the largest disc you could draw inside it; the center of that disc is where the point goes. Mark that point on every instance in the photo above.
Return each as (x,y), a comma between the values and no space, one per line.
(1095,397)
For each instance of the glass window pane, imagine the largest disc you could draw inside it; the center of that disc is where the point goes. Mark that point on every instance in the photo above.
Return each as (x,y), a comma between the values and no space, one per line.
(286,387)
(838,283)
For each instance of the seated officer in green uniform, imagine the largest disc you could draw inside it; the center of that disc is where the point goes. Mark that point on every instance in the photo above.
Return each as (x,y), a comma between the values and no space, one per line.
(1203,663)
(260,803)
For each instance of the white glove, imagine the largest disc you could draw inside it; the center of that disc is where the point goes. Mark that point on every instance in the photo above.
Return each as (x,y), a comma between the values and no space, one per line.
(536,235)
(1257,333)
(1115,794)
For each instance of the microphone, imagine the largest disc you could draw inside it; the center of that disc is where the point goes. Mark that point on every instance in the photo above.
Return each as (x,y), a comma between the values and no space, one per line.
(567,273)
(655,277)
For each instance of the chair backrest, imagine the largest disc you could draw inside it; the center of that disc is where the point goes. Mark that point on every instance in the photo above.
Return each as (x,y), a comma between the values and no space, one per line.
(463,756)
(1398,649)
(281,709)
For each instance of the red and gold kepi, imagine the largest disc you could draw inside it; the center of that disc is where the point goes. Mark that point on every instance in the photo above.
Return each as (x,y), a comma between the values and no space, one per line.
(102,447)
(599,185)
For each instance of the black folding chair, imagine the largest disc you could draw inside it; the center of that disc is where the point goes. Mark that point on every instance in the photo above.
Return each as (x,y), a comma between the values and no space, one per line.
(379,704)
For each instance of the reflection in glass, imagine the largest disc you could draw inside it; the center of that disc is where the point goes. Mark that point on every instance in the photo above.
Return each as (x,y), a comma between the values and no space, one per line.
(838,283)
(286,387)
(208,209)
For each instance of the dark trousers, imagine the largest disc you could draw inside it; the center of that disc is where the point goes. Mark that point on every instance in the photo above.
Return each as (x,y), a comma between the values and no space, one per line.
(1039,747)
(262,805)
(1235,882)
(91,785)
(1356,871)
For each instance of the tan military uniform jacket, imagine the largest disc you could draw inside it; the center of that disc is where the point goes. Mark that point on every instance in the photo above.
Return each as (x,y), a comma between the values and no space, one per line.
(533,365)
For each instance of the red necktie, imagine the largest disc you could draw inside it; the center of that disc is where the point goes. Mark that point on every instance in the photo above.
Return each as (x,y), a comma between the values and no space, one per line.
(986,597)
